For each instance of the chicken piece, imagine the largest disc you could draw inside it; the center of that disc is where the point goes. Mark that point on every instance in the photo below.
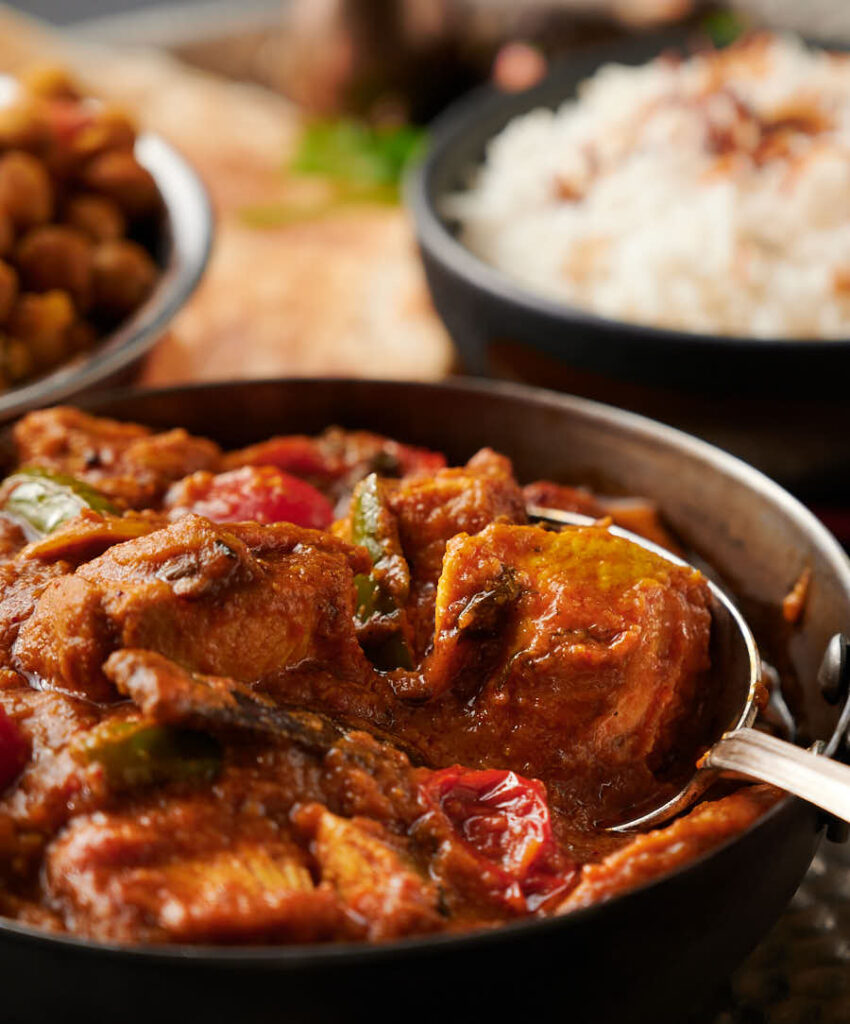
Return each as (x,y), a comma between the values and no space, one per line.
(561,496)
(21,584)
(657,853)
(244,601)
(12,538)
(431,509)
(63,643)
(384,895)
(597,682)
(640,515)
(52,786)
(188,870)
(127,462)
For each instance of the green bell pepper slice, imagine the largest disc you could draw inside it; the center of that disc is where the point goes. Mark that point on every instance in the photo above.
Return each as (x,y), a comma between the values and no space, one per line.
(42,500)
(138,753)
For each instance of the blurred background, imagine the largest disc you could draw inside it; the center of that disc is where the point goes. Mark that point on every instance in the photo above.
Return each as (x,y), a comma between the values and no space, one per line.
(64,12)
(302,116)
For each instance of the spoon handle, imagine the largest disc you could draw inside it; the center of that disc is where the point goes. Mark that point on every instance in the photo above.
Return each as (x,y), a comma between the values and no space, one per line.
(820,780)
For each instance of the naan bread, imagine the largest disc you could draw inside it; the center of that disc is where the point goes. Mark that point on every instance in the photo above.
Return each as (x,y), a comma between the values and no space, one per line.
(342,295)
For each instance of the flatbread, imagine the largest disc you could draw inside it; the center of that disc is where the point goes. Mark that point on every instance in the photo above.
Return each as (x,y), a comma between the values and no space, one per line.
(343,294)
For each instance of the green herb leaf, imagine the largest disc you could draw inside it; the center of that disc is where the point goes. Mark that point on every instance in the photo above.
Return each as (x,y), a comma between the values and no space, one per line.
(363,164)
(724,27)
(357,153)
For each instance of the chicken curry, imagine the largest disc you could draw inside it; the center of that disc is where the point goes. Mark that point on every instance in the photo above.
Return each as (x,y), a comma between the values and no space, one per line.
(330,689)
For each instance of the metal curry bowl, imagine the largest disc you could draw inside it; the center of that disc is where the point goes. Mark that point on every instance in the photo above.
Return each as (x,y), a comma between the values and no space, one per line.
(182,248)
(652,955)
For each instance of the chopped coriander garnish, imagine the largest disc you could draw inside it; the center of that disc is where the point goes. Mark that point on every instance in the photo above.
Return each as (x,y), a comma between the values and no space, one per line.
(362,163)
(724,27)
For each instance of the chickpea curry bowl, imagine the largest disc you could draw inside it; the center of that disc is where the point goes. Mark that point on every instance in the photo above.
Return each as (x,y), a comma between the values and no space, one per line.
(88,230)
(328,688)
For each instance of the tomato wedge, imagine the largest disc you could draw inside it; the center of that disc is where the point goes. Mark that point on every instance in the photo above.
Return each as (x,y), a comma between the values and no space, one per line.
(260,494)
(296,454)
(503,819)
(338,454)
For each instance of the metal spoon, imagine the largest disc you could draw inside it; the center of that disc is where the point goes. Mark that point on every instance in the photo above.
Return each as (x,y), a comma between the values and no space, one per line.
(735,746)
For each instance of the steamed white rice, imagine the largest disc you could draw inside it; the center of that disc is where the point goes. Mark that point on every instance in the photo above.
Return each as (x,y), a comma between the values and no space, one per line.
(711,194)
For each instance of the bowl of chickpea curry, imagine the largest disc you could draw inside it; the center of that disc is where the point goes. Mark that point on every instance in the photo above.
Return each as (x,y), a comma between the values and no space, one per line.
(279,686)
(103,235)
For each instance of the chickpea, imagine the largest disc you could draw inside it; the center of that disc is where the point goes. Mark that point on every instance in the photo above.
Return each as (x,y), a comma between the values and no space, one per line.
(7,233)
(21,127)
(26,193)
(118,175)
(50,81)
(96,216)
(123,276)
(42,322)
(8,289)
(17,359)
(56,256)
(110,129)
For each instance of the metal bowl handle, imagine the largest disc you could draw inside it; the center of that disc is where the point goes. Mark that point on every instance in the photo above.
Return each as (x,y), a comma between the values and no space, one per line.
(834,684)
(822,780)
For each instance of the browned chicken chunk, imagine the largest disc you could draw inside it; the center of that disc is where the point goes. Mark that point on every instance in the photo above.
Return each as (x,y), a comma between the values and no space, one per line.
(127,462)
(189,871)
(430,510)
(593,654)
(245,601)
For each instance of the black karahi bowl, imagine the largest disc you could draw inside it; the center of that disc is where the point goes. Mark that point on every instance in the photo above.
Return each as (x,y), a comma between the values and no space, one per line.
(652,955)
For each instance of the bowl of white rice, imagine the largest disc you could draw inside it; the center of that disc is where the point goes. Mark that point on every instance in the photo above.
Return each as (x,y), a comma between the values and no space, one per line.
(682,219)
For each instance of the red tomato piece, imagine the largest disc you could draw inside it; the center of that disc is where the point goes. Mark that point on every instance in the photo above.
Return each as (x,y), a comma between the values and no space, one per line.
(14,750)
(260,494)
(419,460)
(296,454)
(338,455)
(504,819)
